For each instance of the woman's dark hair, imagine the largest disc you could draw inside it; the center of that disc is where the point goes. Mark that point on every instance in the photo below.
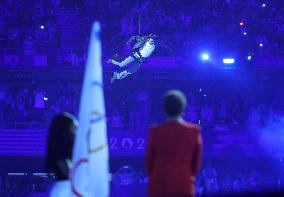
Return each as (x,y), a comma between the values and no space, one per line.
(174,103)
(60,141)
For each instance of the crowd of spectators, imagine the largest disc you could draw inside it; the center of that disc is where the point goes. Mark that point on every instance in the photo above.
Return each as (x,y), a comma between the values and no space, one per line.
(230,112)
(31,26)
(211,181)
(212,23)
(231,109)
(32,106)
(182,26)
(214,181)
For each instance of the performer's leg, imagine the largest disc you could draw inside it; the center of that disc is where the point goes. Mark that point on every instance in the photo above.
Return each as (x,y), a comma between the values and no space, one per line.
(119,76)
(135,67)
(125,73)
(125,62)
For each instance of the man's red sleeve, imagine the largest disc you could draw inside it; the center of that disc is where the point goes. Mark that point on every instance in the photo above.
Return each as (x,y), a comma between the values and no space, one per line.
(197,154)
(150,153)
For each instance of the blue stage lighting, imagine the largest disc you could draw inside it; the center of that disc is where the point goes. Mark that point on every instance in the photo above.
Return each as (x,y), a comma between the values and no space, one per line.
(228,60)
(205,56)
(249,57)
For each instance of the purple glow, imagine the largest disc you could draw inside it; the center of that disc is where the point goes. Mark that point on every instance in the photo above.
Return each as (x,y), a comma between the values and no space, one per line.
(238,100)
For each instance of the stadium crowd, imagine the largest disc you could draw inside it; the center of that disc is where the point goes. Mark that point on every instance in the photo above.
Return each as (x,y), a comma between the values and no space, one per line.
(248,27)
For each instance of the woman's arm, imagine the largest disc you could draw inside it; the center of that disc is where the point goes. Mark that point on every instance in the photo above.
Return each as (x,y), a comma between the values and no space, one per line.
(64,166)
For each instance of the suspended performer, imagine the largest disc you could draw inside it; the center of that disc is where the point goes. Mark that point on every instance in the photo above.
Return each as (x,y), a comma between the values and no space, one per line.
(142,49)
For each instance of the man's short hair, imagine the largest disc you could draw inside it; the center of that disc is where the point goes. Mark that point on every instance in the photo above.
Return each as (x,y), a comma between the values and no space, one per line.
(152,35)
(174,103)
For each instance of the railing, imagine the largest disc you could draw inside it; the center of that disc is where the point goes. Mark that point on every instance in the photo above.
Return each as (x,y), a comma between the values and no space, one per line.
(22,58)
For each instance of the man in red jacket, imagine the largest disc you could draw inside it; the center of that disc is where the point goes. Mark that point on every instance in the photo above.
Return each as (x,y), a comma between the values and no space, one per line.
(174,150)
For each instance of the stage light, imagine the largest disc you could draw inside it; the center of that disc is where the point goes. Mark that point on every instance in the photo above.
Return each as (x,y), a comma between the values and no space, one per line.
(45,98)
(249,57)
(228,60)
(263,5)
(245,33)
(241,23)
(261,45)
(205,56)
(42,26)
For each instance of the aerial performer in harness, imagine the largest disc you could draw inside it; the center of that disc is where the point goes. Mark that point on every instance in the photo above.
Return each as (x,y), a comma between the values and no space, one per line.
(142,49)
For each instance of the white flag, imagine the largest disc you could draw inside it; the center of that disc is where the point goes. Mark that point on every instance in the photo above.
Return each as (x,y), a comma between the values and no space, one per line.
(89,176)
